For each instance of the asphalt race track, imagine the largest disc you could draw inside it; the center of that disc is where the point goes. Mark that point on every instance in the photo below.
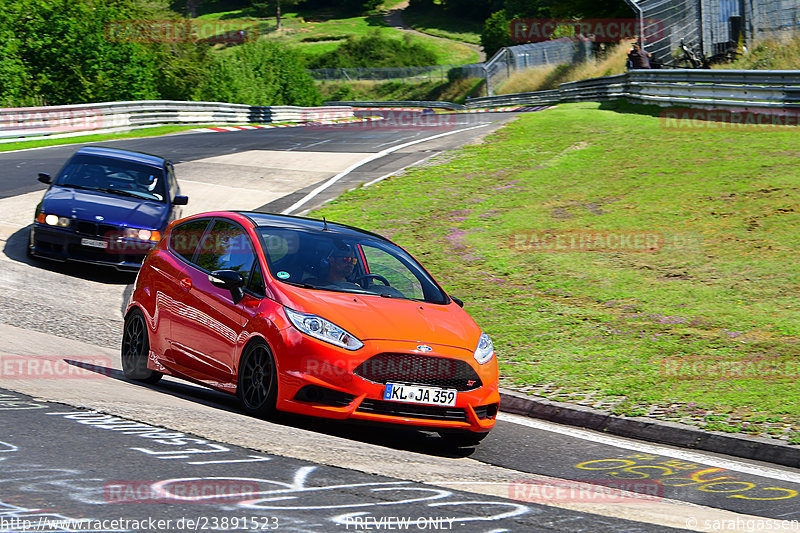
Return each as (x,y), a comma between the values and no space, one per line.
(84,443)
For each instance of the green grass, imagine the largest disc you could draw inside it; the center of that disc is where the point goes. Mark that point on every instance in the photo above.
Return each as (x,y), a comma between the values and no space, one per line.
(317,32)
(144,132)
(90,138)
(769,54)
(435,21)
(662,328)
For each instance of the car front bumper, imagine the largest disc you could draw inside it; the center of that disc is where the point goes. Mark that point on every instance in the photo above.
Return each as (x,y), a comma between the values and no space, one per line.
(325,382)
(61,244)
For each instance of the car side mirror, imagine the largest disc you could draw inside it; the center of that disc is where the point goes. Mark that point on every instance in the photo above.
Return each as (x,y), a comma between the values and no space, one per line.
(458,302)
(231,280)
(180,200)
(45,178)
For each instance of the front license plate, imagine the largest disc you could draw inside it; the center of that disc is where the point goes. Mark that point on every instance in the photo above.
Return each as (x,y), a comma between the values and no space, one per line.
(94,243)
(399,392)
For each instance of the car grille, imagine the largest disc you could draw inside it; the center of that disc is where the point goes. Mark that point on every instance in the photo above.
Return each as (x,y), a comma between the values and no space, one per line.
(94,229)
(420,370)
(428,412)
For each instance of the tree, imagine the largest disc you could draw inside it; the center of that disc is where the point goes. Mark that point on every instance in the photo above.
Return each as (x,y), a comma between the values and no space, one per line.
(495,33)
(67,56)
(264,8)
(262,72)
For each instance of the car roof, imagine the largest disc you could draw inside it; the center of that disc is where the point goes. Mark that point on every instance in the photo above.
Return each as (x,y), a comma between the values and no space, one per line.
(294,222)
(128,155)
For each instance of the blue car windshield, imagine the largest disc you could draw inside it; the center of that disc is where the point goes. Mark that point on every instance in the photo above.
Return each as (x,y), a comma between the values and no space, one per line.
(115,176)
(326,260)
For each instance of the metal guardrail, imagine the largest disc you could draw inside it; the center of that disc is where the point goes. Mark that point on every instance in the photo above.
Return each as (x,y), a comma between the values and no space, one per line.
(678,87)
(52,121)
(684,88)
(405,103)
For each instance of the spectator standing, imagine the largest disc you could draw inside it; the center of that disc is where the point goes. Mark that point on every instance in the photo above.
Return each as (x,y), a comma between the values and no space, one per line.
(638,58)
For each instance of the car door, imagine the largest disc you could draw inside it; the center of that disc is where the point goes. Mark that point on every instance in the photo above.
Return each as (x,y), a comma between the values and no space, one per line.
(205,334)
(169,277)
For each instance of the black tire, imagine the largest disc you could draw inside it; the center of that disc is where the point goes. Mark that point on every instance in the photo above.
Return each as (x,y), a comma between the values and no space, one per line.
(136,349)
(462,439)
(257,386)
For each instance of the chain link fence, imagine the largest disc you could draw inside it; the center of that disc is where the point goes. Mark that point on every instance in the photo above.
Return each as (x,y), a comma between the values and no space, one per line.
(713,26)
(763,18)
(525,56)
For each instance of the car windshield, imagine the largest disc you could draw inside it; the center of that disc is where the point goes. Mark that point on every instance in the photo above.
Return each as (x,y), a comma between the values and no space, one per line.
(331,261)
(115,176)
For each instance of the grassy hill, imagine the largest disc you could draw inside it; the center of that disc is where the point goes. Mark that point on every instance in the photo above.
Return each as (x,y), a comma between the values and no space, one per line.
(319,31)
(683,304)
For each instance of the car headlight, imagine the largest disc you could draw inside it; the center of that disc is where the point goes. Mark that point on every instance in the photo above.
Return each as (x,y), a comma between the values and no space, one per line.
(52,220)
(141,234)
(322,329)
(485,350)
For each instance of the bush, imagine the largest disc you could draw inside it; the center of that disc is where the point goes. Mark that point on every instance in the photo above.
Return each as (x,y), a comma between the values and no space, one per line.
(374,50)
(495,33)
(59,52)
(262,72)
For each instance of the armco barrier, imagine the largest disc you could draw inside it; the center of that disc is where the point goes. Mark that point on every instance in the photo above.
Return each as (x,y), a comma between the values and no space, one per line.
(678,87)
(684,88)
(406,103)
(26,122)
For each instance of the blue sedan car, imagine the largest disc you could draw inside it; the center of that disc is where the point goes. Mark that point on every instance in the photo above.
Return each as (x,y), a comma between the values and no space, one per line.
(106,206)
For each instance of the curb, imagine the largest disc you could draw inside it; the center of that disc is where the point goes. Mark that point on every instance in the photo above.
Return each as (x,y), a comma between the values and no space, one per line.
(661,432)
(293,125)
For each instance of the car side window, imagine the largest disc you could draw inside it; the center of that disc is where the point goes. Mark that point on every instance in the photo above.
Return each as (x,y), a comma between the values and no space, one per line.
(173,183)
(185,238)
(256,284)
(401,278)
(227,247)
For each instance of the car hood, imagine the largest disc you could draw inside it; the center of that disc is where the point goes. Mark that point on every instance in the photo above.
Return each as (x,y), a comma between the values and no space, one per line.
(118,210)
(376,318)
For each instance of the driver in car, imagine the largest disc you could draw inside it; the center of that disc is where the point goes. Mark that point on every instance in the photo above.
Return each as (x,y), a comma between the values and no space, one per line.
(342,262)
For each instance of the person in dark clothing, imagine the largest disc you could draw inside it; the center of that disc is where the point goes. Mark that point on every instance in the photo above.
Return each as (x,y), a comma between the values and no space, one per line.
(638,58)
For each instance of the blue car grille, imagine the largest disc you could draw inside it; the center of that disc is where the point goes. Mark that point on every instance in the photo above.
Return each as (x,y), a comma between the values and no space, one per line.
(94,229)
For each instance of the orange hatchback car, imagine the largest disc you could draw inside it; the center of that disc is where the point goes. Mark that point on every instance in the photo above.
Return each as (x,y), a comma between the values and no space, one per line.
(310,317)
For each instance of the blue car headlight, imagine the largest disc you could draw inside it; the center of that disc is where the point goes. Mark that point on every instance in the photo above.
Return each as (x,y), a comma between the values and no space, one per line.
(52,220)
(141,234)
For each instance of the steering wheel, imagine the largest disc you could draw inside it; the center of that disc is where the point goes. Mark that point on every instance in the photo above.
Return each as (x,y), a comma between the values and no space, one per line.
(370,277)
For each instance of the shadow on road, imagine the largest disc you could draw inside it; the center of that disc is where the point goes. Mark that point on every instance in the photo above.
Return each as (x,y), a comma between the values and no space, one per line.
(16,246)
(385,435)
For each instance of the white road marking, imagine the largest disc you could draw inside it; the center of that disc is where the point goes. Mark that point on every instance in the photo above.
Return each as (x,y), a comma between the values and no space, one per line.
(627,444)
(308,145)
(373,157)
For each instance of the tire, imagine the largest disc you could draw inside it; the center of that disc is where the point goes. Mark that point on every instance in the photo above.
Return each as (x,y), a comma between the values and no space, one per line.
(462,439)
(136,349)
(257,385)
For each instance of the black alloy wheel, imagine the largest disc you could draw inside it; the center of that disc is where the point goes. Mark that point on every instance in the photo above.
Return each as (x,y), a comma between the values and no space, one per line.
(136,349)
(257,386)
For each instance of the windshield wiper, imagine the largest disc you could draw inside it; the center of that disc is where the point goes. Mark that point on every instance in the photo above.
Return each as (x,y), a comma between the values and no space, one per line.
(119,192)
(298,284)
(81,187)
